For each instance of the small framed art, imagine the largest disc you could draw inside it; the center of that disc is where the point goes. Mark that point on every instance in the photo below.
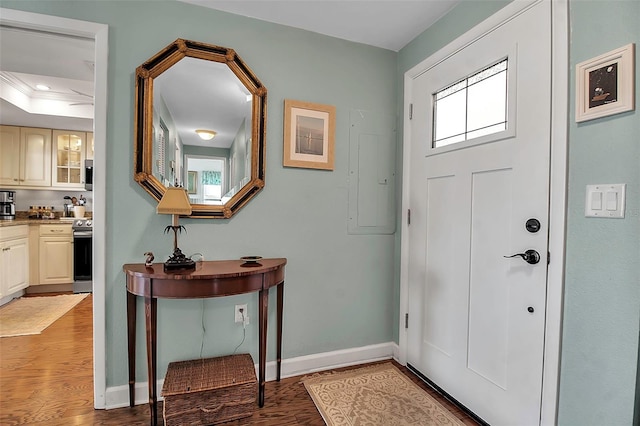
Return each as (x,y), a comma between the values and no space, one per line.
(309,132)
(605,84)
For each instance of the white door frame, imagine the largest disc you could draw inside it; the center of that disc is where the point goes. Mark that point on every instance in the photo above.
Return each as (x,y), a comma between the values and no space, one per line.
(558,187)
(100,34)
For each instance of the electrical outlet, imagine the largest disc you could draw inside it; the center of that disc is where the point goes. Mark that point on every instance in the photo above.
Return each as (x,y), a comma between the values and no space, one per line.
(238,314)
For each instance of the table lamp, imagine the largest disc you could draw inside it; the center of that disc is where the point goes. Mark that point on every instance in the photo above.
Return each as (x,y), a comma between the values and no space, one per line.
(175,202)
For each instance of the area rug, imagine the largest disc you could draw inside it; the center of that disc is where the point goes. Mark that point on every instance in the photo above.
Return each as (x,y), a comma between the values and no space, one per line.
(375,395)
(31,315)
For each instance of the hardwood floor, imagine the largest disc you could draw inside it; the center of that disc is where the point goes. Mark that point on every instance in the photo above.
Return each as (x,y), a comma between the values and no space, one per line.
(47,379)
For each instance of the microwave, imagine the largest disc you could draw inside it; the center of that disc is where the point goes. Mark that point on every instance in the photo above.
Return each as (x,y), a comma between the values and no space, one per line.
(88,175)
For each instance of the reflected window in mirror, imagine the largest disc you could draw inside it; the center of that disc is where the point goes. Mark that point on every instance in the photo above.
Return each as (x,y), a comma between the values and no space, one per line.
(207,179)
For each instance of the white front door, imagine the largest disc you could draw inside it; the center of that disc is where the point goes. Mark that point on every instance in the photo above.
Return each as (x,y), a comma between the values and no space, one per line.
(477,318)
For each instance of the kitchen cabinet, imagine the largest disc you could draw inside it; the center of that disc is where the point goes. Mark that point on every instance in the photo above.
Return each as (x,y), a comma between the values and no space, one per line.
(14,259)
(68,158)
(34,254)
(89,150)
(55,254)
(25,156)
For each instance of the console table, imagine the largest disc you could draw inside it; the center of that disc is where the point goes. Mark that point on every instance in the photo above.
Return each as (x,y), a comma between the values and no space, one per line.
(209,279)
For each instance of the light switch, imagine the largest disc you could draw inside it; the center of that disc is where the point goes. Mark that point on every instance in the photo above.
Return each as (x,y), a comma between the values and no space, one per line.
(596,200)
(612,200)
(606,201)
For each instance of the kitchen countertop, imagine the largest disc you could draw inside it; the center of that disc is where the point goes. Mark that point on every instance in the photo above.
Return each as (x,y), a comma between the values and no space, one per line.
(16,222)
(22,218)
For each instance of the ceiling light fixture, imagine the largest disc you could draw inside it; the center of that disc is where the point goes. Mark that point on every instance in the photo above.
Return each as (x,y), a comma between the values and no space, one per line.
(42,87)
(206,134)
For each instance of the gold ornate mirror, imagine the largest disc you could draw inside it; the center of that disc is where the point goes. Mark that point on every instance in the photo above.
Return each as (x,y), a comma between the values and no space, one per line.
(191,86)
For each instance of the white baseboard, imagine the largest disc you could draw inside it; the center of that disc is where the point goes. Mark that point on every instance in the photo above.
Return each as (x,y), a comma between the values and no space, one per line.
(118,396)
(8,298)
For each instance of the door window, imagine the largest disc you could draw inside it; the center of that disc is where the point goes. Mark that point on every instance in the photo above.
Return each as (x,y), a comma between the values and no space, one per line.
(473,107)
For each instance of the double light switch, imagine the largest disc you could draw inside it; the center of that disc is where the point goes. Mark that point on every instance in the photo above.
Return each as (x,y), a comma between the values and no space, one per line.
(605,201)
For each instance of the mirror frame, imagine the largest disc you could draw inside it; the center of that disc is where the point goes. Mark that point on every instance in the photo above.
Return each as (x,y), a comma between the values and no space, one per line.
(143,122)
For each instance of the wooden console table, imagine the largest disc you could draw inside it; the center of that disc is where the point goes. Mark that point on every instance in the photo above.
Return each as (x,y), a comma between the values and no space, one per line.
(210,279)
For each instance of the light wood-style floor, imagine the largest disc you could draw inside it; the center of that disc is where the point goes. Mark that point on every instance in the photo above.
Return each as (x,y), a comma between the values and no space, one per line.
(47,379)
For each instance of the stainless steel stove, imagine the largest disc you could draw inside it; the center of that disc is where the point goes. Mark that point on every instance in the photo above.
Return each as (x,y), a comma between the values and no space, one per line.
(82,255)
(82,225)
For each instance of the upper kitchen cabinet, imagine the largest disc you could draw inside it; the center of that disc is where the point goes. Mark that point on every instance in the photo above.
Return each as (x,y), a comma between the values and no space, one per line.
(25,156)
(89,151)
(68,158)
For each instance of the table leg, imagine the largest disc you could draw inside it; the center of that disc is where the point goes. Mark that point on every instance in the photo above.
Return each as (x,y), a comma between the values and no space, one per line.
(131,334)
(263,305)
(151,315)
(280,301)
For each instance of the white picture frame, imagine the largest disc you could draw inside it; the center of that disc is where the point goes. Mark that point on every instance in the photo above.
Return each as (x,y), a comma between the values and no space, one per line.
(605,84)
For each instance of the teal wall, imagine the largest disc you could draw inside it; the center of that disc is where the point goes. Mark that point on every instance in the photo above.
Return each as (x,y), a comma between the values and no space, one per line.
(602,286)
(339,287)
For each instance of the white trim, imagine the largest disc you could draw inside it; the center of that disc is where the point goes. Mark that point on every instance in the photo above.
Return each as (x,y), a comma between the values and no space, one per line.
(118,396)
(558,182)
(100,34)
(9,297)
(557,208)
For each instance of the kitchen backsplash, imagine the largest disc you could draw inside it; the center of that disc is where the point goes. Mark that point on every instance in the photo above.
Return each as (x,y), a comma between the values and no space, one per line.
(36,197)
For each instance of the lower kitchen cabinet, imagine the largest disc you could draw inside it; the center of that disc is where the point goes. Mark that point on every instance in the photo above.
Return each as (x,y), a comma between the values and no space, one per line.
(55,254)
(14,259)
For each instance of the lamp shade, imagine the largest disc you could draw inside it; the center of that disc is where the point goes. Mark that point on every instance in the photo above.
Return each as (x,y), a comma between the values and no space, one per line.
(174,201)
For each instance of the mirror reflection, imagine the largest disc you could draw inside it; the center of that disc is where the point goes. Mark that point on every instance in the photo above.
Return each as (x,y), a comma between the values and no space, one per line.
(200,124)
(185,101)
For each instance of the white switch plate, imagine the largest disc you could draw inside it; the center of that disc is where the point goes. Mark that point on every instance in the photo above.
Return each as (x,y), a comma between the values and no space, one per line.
(605,200)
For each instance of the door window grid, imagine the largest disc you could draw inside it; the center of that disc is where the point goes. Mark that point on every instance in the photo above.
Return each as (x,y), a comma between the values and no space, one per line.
(473,107)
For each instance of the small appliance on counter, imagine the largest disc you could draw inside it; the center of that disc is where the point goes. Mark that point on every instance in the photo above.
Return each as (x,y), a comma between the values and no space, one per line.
(74,207)
(7,205)
(67,207)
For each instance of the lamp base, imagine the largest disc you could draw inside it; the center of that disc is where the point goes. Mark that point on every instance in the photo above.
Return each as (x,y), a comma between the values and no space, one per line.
(178,261)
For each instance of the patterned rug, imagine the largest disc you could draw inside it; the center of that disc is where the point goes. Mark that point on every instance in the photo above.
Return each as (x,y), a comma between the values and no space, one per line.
(31,315)
(375,395)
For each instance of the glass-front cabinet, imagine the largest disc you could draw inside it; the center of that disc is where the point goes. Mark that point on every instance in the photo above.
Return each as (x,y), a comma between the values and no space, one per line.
(68,158)
(89,146)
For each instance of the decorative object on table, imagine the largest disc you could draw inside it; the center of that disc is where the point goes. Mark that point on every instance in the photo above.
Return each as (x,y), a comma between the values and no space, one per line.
(605,84)
(378,394)
(309,131)
(251,260)
(148,261)
(175,202)
(209,391)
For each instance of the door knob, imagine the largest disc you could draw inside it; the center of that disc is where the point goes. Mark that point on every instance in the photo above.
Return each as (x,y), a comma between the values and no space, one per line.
(530,256)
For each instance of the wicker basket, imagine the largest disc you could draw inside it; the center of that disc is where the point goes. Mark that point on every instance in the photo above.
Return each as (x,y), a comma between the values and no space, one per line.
(209,391)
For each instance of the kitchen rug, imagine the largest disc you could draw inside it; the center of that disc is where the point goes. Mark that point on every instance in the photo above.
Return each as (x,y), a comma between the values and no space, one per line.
(375,395)
(31,315)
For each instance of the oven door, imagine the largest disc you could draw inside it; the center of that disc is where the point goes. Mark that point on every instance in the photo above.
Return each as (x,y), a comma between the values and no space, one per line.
(82,256)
